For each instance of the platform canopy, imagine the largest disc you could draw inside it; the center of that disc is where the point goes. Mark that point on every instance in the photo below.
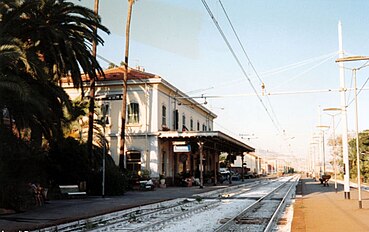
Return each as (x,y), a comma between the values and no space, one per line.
(212,139)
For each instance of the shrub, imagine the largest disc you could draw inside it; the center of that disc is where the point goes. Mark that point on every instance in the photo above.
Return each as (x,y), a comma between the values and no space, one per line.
(19,165)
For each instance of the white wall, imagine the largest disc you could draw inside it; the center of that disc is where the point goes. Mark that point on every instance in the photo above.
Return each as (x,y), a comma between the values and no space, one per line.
(143,135)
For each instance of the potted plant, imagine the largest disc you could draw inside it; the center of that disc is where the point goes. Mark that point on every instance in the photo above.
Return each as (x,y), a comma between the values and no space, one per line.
(162,179)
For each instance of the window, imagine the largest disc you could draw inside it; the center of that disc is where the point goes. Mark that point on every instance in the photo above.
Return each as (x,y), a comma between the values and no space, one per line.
(163,162)
(133,113)
(134,161)
(175,120)
(191,124)
(105,110)
(203,127)
(163,115)
(198,126)
(184,122)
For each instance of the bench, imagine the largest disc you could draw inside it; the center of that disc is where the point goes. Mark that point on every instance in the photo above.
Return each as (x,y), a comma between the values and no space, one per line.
(325,179)
(71,191)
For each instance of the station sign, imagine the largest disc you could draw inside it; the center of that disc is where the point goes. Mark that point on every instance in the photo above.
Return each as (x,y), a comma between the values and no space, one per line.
(182,148)
(179,143)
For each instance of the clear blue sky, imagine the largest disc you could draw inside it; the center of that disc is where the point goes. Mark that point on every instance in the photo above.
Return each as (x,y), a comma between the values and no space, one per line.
(178,41)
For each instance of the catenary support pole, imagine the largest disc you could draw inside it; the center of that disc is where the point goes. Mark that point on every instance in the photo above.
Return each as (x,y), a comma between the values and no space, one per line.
(344,117)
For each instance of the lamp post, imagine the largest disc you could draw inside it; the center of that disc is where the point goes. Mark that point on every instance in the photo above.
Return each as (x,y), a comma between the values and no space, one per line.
(104,121)
(344,117)
(322,128)
(357,141)
(345,59)
(313,159)
(317,155)
(334,143)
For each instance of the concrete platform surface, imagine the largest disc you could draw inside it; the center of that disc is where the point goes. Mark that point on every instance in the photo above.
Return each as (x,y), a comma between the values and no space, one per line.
(319,208)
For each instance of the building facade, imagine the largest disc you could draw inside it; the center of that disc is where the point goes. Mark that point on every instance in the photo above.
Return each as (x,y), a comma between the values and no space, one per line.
(165,129)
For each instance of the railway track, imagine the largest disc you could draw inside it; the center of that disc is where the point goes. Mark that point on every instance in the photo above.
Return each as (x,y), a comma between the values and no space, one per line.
(173,209)
(166,216)
(263,213)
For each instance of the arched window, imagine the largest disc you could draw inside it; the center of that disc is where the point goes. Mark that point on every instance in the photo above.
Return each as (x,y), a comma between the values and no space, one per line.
(191,124)
(133,113)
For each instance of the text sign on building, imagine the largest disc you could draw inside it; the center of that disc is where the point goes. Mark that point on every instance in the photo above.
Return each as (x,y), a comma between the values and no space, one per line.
(185,148)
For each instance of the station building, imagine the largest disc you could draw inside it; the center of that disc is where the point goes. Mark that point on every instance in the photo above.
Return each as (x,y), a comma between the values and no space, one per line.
(167,132)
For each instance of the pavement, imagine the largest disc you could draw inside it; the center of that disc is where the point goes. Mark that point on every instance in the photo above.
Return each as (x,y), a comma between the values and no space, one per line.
(319,208)
(63,211)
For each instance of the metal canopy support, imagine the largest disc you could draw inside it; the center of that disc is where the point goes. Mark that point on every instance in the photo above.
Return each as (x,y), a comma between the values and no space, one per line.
(201,146)
(243,172)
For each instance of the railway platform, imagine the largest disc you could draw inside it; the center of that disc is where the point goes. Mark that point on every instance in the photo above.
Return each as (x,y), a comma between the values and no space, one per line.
(64,211)
(320,208)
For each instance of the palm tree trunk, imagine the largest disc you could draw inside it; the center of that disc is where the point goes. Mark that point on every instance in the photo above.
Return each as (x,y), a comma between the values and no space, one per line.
(124,97)
(92,97)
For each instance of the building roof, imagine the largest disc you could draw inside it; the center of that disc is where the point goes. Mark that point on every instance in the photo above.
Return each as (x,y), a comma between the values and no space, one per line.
(221,141)
(117,73)
(138,75)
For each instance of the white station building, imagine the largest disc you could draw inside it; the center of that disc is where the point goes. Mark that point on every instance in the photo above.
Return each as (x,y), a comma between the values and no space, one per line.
(166,131)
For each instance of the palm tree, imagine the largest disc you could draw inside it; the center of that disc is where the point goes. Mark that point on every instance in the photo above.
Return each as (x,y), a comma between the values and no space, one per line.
(92,93)
(55,39)
(125,77)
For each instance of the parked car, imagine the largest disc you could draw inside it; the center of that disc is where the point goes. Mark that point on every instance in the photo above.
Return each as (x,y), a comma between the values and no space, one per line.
(235,176)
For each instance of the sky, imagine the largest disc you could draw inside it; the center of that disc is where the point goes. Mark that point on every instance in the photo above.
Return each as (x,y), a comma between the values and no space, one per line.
(292,45)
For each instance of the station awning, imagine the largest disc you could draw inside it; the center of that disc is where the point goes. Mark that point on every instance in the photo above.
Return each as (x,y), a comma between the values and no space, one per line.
(212,139)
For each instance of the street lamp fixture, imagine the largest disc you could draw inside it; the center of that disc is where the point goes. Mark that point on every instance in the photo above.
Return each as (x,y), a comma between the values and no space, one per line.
(352,58)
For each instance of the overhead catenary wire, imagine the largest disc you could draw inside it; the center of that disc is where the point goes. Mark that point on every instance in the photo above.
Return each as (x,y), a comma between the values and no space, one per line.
(250,63)
(239,41)
(239,63)
(297,64)
(362,88)
(304,72)
(266,73)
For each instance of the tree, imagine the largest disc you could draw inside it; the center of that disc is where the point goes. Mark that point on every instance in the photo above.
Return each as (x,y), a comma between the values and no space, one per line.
(53,39)
(125,77)
(364,151)
(92,91)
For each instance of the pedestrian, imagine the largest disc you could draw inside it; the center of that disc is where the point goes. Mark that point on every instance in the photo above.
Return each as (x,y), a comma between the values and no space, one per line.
(37,192)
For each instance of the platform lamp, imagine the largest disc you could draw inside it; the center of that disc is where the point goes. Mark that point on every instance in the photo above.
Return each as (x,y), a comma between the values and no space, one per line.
(346,59)
(338,111)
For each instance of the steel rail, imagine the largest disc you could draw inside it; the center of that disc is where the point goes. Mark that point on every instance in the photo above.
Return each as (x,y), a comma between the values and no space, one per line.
(192,211)
(121,217)
(231,221)
(274,216)
(188,211)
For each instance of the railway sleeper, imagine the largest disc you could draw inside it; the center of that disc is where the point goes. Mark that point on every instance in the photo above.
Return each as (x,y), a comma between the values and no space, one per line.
(252,221)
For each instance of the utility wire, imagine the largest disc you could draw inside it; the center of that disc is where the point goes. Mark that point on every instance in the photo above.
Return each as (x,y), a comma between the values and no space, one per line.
(362,87)
(248,58)
(238,62)
(306,71)
(266,73)
(239,41)
(297,64)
